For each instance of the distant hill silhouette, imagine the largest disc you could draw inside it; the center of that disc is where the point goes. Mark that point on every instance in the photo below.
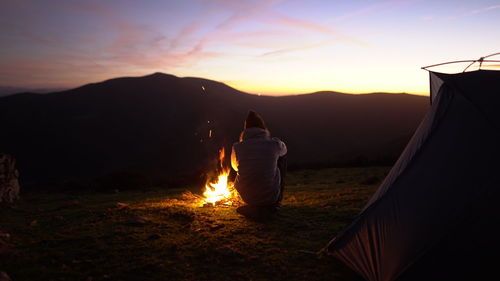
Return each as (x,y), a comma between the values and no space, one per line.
(160,125)
(6,90)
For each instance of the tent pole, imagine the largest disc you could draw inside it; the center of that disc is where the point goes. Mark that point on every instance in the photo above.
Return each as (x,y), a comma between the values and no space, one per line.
(495,54)
(480,60)
(459,61)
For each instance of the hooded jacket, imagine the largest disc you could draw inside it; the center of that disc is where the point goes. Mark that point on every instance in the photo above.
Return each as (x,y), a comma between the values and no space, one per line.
(255,159)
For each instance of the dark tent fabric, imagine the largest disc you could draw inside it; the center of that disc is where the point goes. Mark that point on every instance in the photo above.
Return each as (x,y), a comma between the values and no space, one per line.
(435,216)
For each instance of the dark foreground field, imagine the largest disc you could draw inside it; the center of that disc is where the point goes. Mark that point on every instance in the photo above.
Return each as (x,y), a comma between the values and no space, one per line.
(161,235)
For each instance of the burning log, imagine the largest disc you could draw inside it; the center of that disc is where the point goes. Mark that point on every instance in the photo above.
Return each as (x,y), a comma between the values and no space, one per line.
(221,191)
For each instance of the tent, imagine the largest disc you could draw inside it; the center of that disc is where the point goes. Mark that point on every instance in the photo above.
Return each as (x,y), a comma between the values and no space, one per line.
(436,216)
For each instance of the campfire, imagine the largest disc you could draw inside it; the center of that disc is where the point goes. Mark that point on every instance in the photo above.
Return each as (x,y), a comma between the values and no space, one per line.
(220,191)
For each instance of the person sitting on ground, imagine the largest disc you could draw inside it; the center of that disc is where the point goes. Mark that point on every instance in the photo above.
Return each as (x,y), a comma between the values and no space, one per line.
(260,163)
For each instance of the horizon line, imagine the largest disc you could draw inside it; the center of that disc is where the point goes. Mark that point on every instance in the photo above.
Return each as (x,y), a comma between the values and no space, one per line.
(229,83)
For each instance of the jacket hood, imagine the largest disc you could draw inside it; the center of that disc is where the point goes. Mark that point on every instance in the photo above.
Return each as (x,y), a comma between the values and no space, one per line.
(254,132)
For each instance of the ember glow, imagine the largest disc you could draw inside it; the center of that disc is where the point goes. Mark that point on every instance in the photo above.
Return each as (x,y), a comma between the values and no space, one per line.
(221,191)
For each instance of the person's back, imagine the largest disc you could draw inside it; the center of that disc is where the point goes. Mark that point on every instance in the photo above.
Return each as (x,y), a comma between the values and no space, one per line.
(255,158)
(258,180)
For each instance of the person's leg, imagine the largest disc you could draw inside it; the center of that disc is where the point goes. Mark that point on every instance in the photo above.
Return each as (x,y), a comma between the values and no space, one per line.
(282,166)
(258,213)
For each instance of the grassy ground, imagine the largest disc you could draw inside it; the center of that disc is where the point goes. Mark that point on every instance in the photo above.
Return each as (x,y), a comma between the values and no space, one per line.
(91,237)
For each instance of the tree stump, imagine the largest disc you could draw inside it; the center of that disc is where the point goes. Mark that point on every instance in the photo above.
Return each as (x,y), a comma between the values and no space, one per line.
(9,183)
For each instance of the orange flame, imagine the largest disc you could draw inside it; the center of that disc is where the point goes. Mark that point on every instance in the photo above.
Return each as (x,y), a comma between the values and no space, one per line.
(221,190)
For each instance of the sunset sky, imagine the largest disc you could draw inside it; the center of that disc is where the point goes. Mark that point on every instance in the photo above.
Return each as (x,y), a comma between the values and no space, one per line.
(265,46)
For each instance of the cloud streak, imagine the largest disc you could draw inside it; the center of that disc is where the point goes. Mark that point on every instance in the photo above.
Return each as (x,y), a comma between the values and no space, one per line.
(127,45)
(262,12)
(464,14)
(292,50)
(289,22)
(487,9)
(373,8)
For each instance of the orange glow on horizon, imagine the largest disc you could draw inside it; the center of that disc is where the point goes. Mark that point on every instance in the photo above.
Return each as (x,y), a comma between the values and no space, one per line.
(259,89)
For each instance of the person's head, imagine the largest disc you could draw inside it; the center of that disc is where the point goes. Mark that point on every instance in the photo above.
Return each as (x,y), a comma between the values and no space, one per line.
(254,120)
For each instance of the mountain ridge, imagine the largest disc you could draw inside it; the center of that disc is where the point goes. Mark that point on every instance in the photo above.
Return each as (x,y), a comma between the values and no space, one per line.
(200,79)
(172,127)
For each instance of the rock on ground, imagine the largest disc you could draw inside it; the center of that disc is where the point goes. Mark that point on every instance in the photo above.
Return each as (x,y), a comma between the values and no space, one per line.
(4,276)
